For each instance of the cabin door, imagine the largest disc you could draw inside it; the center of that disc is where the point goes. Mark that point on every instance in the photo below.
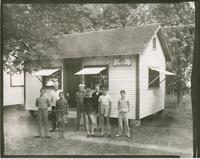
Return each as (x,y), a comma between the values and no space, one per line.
(71,81)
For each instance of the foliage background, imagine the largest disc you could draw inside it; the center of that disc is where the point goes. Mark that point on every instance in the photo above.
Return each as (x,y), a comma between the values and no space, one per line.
(28,28)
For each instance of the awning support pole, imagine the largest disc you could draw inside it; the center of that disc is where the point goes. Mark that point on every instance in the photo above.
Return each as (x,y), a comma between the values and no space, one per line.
(154,80)
(163,80)
(39,79)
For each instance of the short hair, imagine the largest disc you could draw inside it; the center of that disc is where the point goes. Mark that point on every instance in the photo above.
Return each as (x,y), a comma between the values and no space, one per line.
(88,90)
(81,85)
(123,91)
(61,93)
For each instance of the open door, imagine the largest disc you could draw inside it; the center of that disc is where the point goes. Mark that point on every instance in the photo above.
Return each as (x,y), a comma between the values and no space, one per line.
(71,82)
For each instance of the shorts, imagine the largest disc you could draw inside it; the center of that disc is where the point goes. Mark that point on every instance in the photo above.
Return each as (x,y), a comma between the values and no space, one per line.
(104,110)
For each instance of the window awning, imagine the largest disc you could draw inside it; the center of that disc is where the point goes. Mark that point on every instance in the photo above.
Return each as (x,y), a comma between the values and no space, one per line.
(163,71)
(90,71)
(45,72)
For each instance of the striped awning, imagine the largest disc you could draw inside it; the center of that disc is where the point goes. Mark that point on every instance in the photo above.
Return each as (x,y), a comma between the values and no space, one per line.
(90,71)
(163,71)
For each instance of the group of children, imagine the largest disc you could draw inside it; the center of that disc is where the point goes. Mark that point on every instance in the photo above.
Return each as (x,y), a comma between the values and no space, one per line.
(94,106)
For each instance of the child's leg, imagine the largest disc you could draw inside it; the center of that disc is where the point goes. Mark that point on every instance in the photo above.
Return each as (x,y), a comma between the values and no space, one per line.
(108,124)
(39,118)
(102,124)
(45,122)
(120,123)
(86,122)
(127,129)
(93,122)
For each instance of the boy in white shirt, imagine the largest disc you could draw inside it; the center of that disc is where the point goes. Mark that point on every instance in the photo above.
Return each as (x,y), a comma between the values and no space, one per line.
(104,110)
(123,108)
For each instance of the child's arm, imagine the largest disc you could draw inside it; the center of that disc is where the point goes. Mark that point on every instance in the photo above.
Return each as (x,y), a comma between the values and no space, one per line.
(48,102)
(67,107)
(36,102)
(110,107)
(128,104)
(118,105)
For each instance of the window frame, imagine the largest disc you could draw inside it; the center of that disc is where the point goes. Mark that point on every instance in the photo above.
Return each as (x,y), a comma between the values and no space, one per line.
(157,80)
(103,65)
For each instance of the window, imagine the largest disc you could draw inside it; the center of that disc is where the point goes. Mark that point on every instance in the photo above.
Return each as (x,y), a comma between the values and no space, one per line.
(101,79)
(154,78)
(154,44)
(49,81)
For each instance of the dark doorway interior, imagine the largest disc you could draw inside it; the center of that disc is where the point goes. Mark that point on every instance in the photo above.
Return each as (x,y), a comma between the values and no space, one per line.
(71,81)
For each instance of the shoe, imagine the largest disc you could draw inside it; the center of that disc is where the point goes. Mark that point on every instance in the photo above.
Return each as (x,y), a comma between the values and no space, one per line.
(51,130)
(128,136)
(108,135)
(118,135)
(47,137)
(92,135)
(88,135)
(37,137)
(102,135)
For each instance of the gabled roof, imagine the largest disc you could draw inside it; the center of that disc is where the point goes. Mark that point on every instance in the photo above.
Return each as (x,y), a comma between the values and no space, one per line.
(112,42)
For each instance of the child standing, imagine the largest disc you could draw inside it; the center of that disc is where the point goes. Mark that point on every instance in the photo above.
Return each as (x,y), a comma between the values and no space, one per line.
(104,112)
(42,103)
(89,111)
(61,110)
(123,108)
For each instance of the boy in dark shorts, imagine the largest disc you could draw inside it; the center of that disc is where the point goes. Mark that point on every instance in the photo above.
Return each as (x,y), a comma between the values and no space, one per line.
(61,110)
(89,112)
(96,96)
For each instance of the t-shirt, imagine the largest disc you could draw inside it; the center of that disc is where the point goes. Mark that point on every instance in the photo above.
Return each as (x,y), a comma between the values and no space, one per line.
(88,105)
(42,102)
(104,99)
(62,106)
(123,105)
(54,97)
(96,96)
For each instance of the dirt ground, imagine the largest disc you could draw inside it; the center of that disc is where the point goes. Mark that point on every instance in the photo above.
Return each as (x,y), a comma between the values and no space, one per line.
(170,134)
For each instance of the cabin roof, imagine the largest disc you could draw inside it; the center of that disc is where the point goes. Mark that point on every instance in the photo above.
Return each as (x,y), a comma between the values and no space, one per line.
(111,42)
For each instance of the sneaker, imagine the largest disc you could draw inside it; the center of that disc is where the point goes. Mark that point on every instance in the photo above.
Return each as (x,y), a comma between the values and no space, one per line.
(47,137)
(88,135)
(128,136)
(118,135)
(108,135)
(37,137)
(51,130)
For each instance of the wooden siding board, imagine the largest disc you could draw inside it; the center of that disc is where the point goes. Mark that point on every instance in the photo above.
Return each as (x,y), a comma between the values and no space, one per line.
(151,100)
(119,78)
(11,95)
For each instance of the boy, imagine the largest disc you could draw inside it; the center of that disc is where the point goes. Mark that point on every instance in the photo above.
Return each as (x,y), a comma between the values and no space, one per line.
(96,96)
(123,108)
(42,103)
(105,109)
(79,103)
(89,111)
(61,110)
(54,98)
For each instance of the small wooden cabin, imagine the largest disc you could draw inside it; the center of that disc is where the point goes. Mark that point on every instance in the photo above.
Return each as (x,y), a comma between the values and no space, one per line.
(133,59)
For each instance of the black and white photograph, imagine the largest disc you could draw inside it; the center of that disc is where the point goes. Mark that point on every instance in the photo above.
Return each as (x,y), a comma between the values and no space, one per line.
(99,79)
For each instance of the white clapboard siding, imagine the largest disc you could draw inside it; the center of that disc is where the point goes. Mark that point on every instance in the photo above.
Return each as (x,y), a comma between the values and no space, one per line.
(122,77)
(12,95)
(151,100)
(33,86)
